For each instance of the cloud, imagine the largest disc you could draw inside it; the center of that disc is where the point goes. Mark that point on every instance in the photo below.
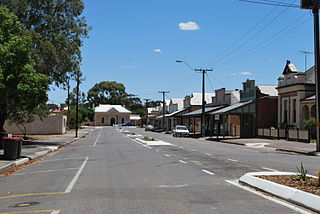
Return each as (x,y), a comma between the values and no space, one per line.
(245,73)
(129,67)
(188,26)
(158,50)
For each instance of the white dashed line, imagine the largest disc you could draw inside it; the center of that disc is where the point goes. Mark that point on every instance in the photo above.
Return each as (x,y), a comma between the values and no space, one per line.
(209,154)
(156,150)
(208,172)
(192,150)
(269,169)
(181,161)
(76,177)
(233,160)
(278,201)
(166,155)
(95,143)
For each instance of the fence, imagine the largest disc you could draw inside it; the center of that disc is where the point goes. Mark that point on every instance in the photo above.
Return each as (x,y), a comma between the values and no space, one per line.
(289,134)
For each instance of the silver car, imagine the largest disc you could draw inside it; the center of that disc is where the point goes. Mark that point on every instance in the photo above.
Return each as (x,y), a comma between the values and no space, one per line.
(180,131)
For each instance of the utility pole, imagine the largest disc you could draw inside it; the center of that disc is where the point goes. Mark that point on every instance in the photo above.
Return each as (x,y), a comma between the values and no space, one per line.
(306,53)
(164,106)
(203,71)
(68,103)
(77,102)
(314,6)
(147,100)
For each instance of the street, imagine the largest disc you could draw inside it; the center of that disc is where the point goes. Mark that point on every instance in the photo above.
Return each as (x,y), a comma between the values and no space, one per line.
(107,172)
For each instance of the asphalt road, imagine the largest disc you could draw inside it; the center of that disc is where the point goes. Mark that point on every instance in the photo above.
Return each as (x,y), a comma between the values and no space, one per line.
(107,172)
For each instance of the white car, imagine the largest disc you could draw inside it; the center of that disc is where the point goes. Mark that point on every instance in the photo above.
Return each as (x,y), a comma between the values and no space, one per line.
(180,131)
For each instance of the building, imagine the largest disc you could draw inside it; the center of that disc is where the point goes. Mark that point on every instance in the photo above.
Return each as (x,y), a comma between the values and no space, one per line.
(296,101)
(109,115)
(257,109)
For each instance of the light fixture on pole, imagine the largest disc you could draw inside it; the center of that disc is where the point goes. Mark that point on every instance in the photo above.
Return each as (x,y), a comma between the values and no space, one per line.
(203,71)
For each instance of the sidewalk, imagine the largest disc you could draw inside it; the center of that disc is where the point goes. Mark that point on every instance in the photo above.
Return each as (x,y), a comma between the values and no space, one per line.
(40,148)
(279,145)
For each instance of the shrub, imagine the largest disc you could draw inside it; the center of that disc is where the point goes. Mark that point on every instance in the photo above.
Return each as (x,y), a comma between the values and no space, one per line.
(302,173)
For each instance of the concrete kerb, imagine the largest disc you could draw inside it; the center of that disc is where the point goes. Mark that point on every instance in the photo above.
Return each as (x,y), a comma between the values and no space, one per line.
(301,198)
(40,155)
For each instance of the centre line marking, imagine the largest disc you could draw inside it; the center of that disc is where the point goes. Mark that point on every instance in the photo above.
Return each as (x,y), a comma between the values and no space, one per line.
(181,161)
(95,143)
(34,211)
(166,155)
(76,177)
(269,169)
(193,150)
(209,154)
(232,160)
(38,172)
(208,172)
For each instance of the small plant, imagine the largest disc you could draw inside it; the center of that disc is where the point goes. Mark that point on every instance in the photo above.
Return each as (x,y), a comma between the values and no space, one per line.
(302,173)
(148,139)
(318,174)
(133,133)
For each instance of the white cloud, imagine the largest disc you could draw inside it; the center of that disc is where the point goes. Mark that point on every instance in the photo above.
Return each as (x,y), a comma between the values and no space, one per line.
(188,26)
(129,67)
(245,73)
(157,50)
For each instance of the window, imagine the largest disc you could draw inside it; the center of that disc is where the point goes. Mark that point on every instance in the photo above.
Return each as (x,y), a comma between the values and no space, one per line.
(285,111)
(122,120)
(294,103)
(313,111)
(305,112)
(102,120)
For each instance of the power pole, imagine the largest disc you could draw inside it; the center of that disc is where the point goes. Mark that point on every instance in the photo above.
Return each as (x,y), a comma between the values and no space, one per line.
(203,71)
(147,100)
(306,53)
(77,101)
(164,106)
(68,103)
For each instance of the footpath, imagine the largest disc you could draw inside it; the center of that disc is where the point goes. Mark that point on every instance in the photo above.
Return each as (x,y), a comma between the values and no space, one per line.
(279,145)
(40,148)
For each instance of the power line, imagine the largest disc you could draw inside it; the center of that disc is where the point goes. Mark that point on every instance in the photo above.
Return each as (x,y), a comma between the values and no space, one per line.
(273,3)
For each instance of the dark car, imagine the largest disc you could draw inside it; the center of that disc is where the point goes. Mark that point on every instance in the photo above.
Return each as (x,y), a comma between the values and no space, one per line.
(127,124)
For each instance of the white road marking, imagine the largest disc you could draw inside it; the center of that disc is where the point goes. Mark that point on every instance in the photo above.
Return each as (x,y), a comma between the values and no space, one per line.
(56,212)
(76,177)
(45,171)
(166,155)
(233,160)
(269,169)
(95,143)
(193,150)
(208,172)
(173,186)
(270,198)
(181,161)
(209,154)
(156,150)
(181,147)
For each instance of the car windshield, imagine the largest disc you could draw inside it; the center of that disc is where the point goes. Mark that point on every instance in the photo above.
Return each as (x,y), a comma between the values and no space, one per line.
(181,128)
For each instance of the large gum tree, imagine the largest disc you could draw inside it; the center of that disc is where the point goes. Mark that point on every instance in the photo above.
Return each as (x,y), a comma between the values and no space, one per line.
(22,88)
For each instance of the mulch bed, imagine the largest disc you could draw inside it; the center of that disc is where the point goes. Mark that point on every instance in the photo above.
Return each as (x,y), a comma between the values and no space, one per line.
(311,185)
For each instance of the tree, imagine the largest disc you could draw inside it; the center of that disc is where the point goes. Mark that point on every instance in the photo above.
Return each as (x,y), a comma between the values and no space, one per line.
(22,89)
(57,29)
(310,124)
(107,92)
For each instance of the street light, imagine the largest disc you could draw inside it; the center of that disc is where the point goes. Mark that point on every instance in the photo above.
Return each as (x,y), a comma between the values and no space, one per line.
(203,71)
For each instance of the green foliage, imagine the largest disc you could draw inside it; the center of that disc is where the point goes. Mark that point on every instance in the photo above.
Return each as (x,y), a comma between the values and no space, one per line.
(57,29)
(302,173)
(310,124)
(22,89)
(85,115)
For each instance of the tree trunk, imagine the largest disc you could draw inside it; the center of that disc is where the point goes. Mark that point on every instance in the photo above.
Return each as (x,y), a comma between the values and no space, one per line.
(3,117)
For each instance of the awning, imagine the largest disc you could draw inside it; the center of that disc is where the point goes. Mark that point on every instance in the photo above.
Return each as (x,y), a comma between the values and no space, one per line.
(237,108)
(199,111)
(174,113)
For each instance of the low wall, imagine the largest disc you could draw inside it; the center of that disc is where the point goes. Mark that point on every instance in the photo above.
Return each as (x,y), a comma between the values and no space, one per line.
(53,124)
(290,134)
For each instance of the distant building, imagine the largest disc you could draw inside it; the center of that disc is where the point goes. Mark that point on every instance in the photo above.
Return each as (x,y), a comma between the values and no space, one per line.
(109,115)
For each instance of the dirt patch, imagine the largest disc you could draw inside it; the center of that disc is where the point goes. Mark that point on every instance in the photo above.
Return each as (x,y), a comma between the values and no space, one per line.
(148,139)
(310,185)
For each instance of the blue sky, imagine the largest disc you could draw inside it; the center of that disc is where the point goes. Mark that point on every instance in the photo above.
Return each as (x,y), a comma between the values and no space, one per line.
(136,42)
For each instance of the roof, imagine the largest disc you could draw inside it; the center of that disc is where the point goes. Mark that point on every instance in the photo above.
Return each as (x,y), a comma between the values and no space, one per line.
(174,113)
(311,98)
(232,107)
(196,98)
(268,89)
(199,111)
(135,117)
(289,68)
(107,108)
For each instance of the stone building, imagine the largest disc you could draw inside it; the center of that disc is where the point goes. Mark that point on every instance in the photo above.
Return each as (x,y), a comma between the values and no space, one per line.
(109,115)
(296,101)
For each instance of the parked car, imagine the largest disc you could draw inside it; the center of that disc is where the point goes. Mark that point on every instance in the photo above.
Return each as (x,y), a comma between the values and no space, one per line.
(149,128)
(180,131)
(127,124)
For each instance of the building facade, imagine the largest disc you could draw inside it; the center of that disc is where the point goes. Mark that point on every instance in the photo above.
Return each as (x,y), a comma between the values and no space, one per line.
(109,115)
